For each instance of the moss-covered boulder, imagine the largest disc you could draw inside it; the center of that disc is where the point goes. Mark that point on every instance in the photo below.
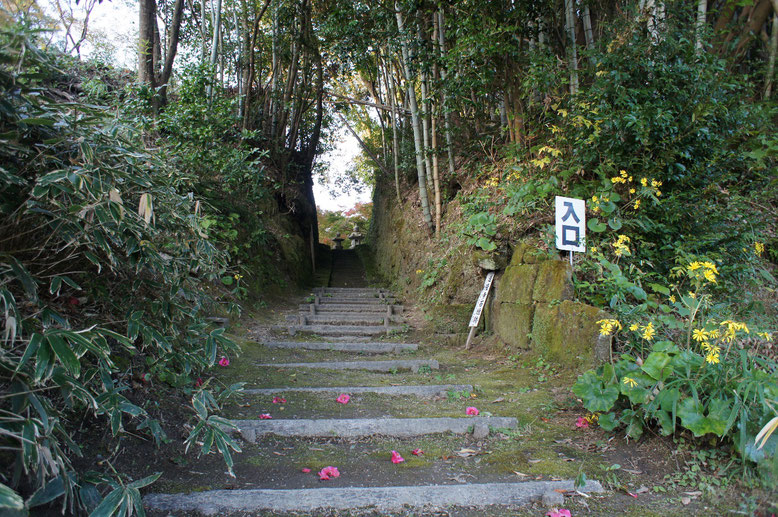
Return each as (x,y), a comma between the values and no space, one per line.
(517,284)
(490,260)
(568,333)
(512,323)
(450,319)
(554,282)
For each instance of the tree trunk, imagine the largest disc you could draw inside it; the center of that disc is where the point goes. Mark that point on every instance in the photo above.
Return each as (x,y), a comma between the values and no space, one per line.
(395,145)
(588,33)
(172,48)
(573,52)
(436,178)
(217,20)
(768,89)
(417,137)
(702,10)
(443,76)
(146,42)
(425,127)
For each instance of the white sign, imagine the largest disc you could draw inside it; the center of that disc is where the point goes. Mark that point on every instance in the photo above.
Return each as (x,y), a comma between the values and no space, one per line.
(479,306)
(570,224)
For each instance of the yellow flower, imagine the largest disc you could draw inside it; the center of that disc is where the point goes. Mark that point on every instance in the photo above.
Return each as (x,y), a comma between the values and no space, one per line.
(238,276)
(629,381)
(634,327)
(419,271)
(629,179)
(765,335)
(691,295)
(714,334)
(637,204)
(712,358)
(655,183)
(632,191)
(644,182)
(758,248)
(608,326)
(694,266)
(658,193)
(700,335)
(594,198)
(649,332)
(710,276)
(672,298)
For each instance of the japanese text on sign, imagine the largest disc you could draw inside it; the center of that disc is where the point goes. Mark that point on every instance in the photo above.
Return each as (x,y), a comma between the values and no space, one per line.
(479,306)
(570,224)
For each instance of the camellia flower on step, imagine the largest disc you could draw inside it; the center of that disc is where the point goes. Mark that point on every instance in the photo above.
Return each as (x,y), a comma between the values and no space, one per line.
(306,470)
(396,458)
(472,411)
(224,361)
(582,422)
(417,452)
(343,399)
(265,416)
(279,400)
(328,473)
(562,512)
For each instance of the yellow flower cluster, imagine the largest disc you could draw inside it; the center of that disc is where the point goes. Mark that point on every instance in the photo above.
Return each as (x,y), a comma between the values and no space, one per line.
(596,201)
(703,271)
(607,327)
(238,276)
(492,182)
(732,328)
(623,177)
(765,335)
(758,248)
(620,246)
(648,332)
(637,204)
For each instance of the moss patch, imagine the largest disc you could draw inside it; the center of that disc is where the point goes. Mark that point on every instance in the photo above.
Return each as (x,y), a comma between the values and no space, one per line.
(568,332)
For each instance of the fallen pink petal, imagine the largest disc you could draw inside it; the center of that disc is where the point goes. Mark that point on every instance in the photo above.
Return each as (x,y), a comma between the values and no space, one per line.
(417,452)
(582,422)
(279,400)
(306,470)
(562,512)
(224,361)
(265,416)
(472,411)
(343,399)
(328,473)
(396,458)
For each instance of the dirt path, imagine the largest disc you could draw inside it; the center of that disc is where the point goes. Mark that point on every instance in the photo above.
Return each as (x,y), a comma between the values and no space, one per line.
(535,448)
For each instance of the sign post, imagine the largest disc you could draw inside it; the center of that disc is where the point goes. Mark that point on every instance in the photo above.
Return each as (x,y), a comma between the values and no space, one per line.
(570,225)
(479,307)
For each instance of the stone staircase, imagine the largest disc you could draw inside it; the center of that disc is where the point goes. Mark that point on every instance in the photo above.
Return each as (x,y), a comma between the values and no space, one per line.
(357,314)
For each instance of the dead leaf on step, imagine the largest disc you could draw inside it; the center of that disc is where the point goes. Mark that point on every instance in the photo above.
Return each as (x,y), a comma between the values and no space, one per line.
(643,490)
(520,474)
(498,399)
(636,472)
(686,500)
(244,405)
(693,494)
(464,453)
(278,453)
(535,461)
(566,440)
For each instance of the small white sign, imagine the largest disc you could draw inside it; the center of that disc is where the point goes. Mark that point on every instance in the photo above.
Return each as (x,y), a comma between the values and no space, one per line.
(479,306)
(570,224)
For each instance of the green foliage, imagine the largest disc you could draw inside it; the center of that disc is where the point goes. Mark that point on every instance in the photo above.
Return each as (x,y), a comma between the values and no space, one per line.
(94,291)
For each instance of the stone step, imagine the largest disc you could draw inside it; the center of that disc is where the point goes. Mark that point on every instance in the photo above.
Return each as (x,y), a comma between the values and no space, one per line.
(375,348)
(342,330)
(336,318)
(372,308)
(352,300)
(373,366)
(426,391)
(360,427)
(383,499)
(371,291)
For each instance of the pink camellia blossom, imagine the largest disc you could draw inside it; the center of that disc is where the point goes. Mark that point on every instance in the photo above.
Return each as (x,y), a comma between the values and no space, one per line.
(306,470)
(279,400)
(582,422)
(562,512)
(396,458)
(343,399)
(328,473)
(224,361)
(265,416)
(472,411)
(417,452)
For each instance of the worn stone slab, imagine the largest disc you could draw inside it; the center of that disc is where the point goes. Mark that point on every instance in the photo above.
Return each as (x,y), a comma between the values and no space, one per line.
(350,300)
(433,390)
(373,366)
(357,427)
(375,348)
(395,498)
(335,318)
(343,330)
(352,307)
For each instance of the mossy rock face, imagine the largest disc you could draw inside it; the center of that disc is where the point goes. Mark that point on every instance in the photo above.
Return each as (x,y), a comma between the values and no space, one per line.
(554,282)
(517,284)
(490,261)
(513,323)
(451,319)
(518,254)
(568,333)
